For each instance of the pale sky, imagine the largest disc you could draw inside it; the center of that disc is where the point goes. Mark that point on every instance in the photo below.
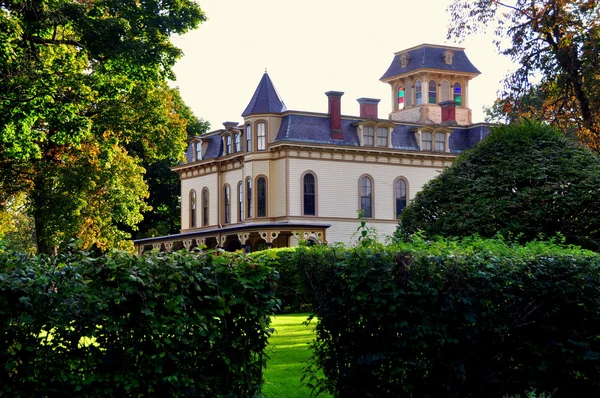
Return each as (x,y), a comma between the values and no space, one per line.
(313,46)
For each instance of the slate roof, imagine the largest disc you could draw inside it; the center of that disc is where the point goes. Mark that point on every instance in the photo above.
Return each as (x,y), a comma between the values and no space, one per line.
(430,57)
(315,129)
(265,99)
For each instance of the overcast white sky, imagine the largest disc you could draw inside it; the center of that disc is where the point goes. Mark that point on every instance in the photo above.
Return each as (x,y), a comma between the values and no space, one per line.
(313,46)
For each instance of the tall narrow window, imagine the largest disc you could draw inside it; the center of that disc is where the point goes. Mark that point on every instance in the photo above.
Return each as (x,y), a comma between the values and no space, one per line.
(261,197)
(198,151)
(408,95)
(261,136)
(457,93)
(248,138)
(400,196)
(432,97)
(440,142)
(193,209)
(227,204)
(205,207)
(382,136)
(236,143)
(426,141)
(445,90)
(249,197)
(228,141)
(240,202)
(368,136)
(400,97)
(418,92)
(308,187)
(366,196)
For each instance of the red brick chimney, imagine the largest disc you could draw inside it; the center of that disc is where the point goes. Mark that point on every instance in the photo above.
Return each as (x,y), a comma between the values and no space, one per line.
(335,114)
(448,112)
(368,107)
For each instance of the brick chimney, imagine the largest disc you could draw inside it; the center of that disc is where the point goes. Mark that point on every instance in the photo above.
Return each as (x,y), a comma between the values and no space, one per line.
(448,112)
(335,114)
(230,125)
(368,107)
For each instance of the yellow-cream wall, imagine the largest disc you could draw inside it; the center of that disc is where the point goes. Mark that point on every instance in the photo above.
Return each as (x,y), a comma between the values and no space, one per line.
(198,183)
(277,188)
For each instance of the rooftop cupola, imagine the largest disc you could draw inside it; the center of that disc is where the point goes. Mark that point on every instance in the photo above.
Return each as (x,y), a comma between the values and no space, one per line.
(265,99)
(424,76)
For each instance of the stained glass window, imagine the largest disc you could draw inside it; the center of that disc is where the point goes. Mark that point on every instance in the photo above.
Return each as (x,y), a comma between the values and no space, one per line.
(418,93)
(457,93)
(432,98)
(400,97)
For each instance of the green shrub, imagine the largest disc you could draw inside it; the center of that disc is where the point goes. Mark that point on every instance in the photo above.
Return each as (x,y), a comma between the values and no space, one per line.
(175,324)
(524,180)
(452,318)
(290,286)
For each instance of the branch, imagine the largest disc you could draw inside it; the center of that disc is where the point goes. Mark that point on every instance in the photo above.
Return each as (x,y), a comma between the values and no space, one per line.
(39,40)
(513,8)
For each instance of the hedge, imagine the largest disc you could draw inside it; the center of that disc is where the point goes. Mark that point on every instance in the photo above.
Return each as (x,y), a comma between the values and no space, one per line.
(449,318)
(130,326)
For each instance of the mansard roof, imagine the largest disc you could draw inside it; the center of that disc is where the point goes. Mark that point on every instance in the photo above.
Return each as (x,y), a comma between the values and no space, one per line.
(428,56)
(265,99)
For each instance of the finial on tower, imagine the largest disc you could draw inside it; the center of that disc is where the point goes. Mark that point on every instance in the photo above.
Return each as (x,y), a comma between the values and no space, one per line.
(265,70)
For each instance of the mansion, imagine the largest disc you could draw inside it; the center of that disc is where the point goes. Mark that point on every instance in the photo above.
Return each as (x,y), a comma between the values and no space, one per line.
(280,175)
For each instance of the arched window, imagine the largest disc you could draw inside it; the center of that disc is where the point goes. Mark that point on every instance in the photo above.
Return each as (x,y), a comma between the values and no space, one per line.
(432,97)
(261,197)
(240,201)
(457,93)
(227,204)
(426,141)
(418,93)
(445,90)
(366,196)
(192,209)
(248,138)
(440,142)
(408,95)
(400,97)
(249,197)
(198,151)
(400,195)
(382,136)
(236,144)
(261,139)
(368,136)
(205,207)
(309,195)
(228,141)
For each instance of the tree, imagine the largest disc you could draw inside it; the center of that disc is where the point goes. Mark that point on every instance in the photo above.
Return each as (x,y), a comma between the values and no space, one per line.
(83,102)
(522,181)
(555,43)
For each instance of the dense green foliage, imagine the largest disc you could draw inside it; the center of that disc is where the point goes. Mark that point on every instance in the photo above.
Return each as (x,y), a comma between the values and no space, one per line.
(291,290)
(443,318)
(523,180)
(555,44)
(83,105)
(127,326)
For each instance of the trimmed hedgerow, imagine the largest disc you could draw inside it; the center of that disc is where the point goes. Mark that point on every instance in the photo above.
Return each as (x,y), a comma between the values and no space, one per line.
(172,325)
(453,318)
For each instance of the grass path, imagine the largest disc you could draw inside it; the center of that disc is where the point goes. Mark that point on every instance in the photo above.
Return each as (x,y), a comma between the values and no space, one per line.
(289,352)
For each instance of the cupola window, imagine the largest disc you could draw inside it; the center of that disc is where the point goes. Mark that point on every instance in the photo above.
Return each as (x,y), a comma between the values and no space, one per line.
(457,93)
(400,97)
(418,92)
(261,136)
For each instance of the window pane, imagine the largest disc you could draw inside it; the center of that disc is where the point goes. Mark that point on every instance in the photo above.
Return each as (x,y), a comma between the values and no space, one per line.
(400,97)
(418,93)
(261,197)
(240,202)
(445,90)
(432,99)
(205,207)
(368,136)
(408,95)
(248,139)
(249,197)
(198,151)
(228,140)
(400,196)
(236,146)
(193,209)
(440,142)
(309,195)
(366,197)
(260,132)
(382,136)
(457,93)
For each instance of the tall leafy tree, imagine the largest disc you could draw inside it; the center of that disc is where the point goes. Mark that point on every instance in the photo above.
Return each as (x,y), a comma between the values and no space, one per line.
(556,44)
(83,102)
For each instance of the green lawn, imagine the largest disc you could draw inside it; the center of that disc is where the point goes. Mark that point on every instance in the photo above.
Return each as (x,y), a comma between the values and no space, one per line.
(289,351)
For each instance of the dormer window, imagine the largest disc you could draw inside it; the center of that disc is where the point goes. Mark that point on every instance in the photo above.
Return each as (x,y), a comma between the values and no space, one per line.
(368,136)
(426,141)
(228,145)
(404,58)
(440,142)
(382,136)
(236,143)
(434,140)
(198,151)
(448,57)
